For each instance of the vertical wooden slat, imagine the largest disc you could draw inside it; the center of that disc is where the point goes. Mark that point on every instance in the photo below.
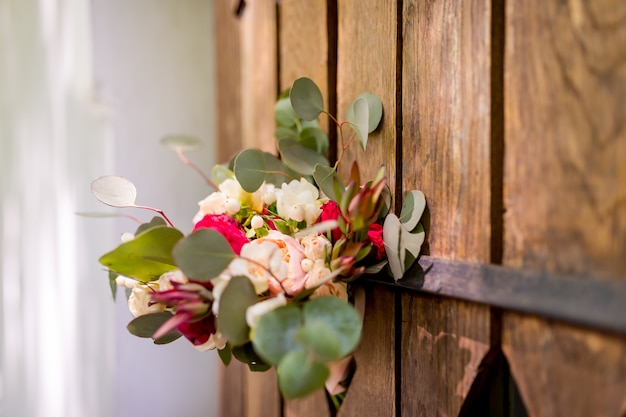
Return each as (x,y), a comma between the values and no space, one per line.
(259,79)
(232,395)
(444,343)
(446,103)
(372,391)
(366,61)
(565,197)
(262,397)
(228,71)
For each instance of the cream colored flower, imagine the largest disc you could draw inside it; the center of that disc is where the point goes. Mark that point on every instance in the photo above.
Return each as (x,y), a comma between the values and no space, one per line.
(315,246)
(255,311)
(259,261)
(216,341)
(336,289)
(139,300)
(298,201)
(215,203)
(165,280)
(318,273)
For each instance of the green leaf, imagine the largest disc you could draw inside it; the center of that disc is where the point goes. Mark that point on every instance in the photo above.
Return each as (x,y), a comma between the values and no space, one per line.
(285,133)
(298,376)
(325,178)
(146,257)
(155,222)
(181,143)
(340,317)
(113,284)
(274,334)
(114,191)
(276,172)
(247,355)
(320,338)
(219,173)
(360,120)
(314,138)
(391,237)
(412,242)
(375,107)
(225,354)
(238,295)
(412,209)
(306,99)
(203,255)
(284,114)
(299,158)
(148,324)
(250,169)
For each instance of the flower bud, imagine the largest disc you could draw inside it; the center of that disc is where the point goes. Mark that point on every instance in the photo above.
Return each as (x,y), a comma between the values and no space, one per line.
(257,222)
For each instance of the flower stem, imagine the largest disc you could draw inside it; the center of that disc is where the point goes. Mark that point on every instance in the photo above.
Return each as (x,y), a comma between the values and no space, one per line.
(193,166)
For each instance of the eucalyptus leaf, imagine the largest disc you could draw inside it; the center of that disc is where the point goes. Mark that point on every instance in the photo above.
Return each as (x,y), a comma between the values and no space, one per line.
(250,169)
(321,339)
(238,295)
(284,114)
(306,99)
(341,318)
(375,107)
(181,143)
(391,237)
(203,255)
(412,242)
(298,376)
(113,284)
(219,173)
(314,138)
(274,334)
(156,221)
(324,178)
(300,158)
(276,172)
(412,209)
(147,324)
(114,191)
(285,133)
(225,354)
(360,120)
(146,257)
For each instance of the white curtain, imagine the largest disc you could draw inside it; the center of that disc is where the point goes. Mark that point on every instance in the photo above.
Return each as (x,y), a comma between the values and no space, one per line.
(56,317)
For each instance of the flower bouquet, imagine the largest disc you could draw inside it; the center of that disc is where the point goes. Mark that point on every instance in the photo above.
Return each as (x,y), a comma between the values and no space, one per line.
(267,274)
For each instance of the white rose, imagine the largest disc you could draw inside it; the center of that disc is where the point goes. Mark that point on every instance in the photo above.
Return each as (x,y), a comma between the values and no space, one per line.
(255,311)
(315,246)
(298,201)
(165,280)
(215,203)
(233,190)
(317,274)
(219,283)
(138,302)
(268,193)
(336,289)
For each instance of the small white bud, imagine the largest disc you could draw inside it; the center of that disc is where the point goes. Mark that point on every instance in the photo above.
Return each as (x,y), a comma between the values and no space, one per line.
(127,237)
(232,206)
(306,265)
(257,222)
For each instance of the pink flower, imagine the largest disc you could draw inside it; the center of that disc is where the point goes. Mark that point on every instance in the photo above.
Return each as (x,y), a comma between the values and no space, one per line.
(227,227)
(291,254)
(375,235)
(331,211)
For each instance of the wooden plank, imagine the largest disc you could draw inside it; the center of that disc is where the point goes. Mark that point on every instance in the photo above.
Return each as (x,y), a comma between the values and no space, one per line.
(262,397)
(366,61)
(446,122)
(315,405)
(566,137)
(259,79)
(566,371)
(372,391)
(585,301)
(228,72)
(232,395)
(443,345)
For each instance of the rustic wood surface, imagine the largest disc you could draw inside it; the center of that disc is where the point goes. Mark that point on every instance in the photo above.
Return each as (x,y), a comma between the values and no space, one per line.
(262,397)
(566,371)
(228,70)
(446,118)
(259,77)
(372,391)
(315,405)
(366,61)
(566,137)
(443,344)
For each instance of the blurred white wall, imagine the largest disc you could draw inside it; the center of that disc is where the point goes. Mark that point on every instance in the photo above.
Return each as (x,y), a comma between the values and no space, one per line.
(87,88)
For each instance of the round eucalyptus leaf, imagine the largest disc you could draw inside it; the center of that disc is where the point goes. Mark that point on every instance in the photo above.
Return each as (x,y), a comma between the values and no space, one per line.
(274,334)
(203,255)
(360,120)
(314,138)
(284,114)
(306,99)
(342,320)
(300,158)
(321,339)
(250,169)
(238,295)
(219,173)
(375,107)
(392,228)
(114,191)
(298,376)
(147,324)
(181,143)
(412,209)
(276,172)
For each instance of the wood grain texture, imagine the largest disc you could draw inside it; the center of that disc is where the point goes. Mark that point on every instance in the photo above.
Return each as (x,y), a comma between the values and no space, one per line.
(366,61)
(228,38)
(262,396)
(315,405)
(566,371)
(565,182)
(446,119)
(259,79)
(443,344)
(232,393)
(372,391)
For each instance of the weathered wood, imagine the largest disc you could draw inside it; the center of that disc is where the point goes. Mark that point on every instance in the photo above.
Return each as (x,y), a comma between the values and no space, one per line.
(585,301)
(366,61)
(446,122)
(227,44)
(566,371)
(372,391)
(443,345)
(259,79)
(232,394)
(315,405)
(566,137)
(262,396)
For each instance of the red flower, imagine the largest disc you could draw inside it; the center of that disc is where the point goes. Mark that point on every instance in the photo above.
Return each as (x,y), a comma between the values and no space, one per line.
(331,211)
(375,235)
(227,227)
(199,331)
